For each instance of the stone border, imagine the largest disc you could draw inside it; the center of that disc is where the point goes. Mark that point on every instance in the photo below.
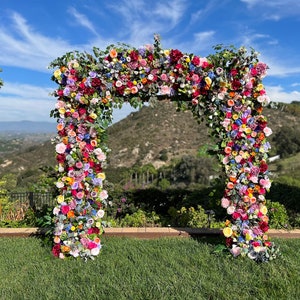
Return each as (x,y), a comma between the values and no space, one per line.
(149,232)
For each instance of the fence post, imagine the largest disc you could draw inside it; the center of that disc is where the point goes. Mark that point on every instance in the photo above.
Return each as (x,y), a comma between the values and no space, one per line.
(31,202)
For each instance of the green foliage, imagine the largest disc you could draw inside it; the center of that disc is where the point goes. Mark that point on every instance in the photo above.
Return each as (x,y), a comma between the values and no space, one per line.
(164,184)
(190,217)
(140,219)
(287,136)
(278,217)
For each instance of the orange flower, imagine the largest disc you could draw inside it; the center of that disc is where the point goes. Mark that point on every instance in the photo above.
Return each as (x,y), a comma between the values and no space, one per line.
(227,150)
(230,102)
(113,53)
(246,199)
(56,239)
(230,185)
(231,94)
(71,214)
(144,80)
(65,248)
(60,126)
(104,100)
(82,145)
(65,140)
(94,143)
(97,240)
(232,178)
(72,133)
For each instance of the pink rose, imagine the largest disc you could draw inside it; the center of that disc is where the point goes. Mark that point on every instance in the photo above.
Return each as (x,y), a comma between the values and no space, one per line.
(230,210)
(165,90)
(235,251)
(225,202)
(164,77)
(60,148)
(92,245)
(267,131)
(265,183)
(64,209)
(103,195)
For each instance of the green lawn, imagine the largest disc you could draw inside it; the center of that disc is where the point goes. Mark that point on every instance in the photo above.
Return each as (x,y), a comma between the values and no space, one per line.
(168,268)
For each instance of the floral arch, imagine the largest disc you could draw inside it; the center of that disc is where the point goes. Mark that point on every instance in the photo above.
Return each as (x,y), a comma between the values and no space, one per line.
(225,88)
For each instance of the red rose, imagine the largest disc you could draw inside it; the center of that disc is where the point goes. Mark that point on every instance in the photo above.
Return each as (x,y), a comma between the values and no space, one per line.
(56,250)
(175,55)
(150,57)
(134,55)
(235,84)
(96,82)
(263,167)
(228,242)
(264,226)
(255,244)
(236,215)
(93,230)
(81,111)
(196,61)
(233,72)
(60,158)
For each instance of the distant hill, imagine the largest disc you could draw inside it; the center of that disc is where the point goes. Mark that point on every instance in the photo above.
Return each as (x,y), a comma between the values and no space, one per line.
(27,127)
(153,135)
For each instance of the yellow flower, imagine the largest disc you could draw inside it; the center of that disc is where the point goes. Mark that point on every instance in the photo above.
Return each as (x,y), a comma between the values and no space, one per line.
(75,65)
(248,130)
(57,73)
(61,110)
(167,52)
(93,116)
(207,80)
(248,237)
(98,224)
(188,59)
(227,231)
(60,199)
(101,175)
(263,209)
(73,228)
(260,87)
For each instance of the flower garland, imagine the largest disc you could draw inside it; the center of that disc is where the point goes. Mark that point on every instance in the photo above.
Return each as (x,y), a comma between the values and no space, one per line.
(225,87)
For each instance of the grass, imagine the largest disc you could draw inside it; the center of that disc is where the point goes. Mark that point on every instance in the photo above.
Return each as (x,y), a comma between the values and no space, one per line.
(168,268)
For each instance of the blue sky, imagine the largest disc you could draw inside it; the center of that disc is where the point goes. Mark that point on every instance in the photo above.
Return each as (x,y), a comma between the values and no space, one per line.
(35,32)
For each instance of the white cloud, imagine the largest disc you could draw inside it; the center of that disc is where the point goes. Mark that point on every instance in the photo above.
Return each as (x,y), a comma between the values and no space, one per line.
(22,46)
(275,9)
(82,20)
(278,94)
(25,102)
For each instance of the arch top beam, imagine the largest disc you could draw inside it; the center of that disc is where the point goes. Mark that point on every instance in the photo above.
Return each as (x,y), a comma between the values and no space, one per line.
(225,88)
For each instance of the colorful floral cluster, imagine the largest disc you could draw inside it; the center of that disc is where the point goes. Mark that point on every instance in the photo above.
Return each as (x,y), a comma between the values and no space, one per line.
(226,87)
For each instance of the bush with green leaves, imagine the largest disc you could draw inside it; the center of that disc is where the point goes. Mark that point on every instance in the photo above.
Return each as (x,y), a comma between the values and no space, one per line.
(189,217)
(278,217)
(140,219)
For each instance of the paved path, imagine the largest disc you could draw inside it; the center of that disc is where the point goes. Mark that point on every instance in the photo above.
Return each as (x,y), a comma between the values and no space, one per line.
(149,232)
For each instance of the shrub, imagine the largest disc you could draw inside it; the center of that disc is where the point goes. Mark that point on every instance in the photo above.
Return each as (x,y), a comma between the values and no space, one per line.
(278,217)
(191,217)
(140,219)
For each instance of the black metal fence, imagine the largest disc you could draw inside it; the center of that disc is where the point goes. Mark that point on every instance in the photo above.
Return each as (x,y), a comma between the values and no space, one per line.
(33,199)
(13,206)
